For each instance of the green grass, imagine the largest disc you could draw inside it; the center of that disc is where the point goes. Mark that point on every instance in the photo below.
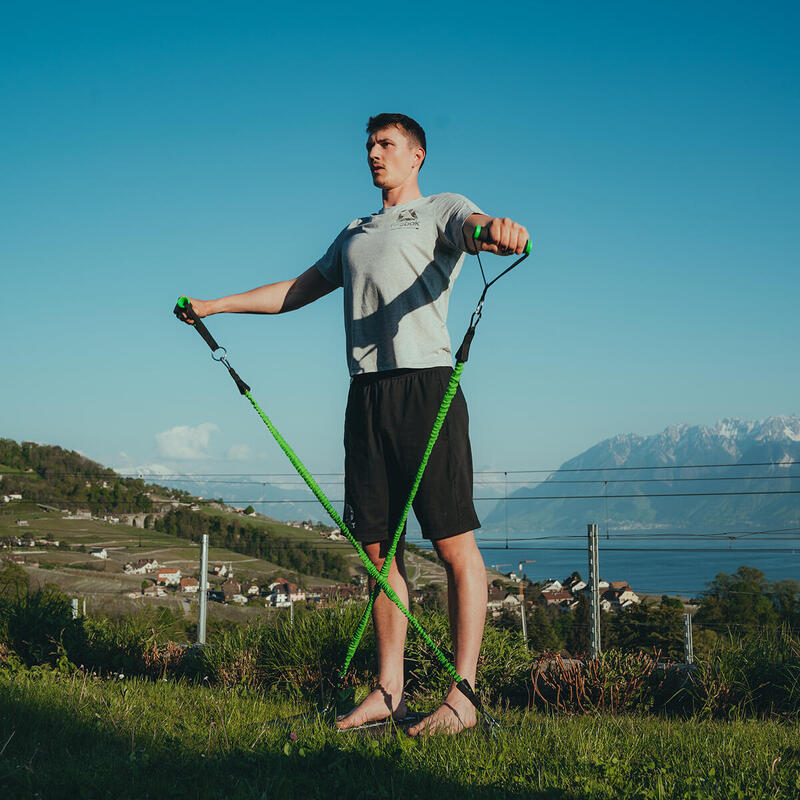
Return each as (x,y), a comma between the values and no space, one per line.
(74,736)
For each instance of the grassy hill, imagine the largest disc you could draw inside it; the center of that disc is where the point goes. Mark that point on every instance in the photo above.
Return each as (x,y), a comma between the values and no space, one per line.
(105,585)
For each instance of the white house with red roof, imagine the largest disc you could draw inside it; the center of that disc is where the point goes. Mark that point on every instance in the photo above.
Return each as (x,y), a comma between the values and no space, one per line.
(168,576)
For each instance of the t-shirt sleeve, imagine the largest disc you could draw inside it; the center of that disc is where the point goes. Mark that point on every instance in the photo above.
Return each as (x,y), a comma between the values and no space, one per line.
(452,211)
(330,265)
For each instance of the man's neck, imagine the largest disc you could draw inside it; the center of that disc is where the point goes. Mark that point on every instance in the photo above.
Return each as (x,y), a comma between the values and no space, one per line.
(400,195)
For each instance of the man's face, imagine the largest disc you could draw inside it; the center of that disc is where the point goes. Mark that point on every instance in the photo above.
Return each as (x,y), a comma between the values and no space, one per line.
(391,156)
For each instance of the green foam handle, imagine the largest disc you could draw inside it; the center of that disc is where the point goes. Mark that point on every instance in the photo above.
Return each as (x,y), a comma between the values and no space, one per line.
(479,228)
(183,302)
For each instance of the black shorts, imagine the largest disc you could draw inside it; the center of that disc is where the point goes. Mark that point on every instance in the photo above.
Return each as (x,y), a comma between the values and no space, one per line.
(387,426)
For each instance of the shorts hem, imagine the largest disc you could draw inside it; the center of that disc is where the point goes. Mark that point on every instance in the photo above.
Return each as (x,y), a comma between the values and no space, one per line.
(437,536)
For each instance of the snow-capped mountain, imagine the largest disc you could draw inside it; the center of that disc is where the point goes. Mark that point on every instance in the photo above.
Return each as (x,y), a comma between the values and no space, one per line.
(700,466)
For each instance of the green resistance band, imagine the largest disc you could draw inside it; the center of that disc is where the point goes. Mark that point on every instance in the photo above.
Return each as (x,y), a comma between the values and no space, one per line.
(184,311)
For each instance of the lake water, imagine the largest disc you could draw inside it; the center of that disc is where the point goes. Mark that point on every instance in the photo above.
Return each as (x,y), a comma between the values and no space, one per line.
(651,562)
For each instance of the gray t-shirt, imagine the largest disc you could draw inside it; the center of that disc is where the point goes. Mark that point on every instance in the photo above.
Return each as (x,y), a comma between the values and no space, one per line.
(397,268)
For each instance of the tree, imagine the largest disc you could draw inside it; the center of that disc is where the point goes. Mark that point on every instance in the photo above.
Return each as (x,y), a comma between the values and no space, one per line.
(13,581)
(786,598)
(249,510)
(741,602)
(650,628)
(578,635)
(541,634)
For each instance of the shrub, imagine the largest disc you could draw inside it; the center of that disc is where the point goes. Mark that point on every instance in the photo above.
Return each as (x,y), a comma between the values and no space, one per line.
(751,675)
(615,682)
(297,658)
(34,623)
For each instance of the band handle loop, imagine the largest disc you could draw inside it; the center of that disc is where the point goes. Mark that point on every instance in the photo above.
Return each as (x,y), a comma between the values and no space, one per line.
(481,234)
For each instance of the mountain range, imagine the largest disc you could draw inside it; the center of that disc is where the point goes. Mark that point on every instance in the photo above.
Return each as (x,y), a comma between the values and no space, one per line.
(618,482)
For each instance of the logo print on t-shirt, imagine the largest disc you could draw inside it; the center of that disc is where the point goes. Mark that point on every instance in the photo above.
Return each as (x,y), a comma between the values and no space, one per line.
(406,219)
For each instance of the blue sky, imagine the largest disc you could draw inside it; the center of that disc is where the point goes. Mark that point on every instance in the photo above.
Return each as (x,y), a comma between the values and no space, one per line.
(163,149)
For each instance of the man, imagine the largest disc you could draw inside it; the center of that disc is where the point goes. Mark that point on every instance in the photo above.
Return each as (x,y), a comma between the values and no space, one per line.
(397,268)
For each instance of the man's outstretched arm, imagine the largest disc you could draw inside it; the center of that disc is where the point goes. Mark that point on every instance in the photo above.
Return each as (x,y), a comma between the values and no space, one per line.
(506,236)
(274,298)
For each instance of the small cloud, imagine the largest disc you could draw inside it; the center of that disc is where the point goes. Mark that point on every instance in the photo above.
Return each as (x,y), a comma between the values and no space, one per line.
(239,452)
(185,441)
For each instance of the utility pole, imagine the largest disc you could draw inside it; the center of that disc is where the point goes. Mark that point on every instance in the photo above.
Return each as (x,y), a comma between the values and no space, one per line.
(522,603)
(203,615)
(688,645)
(594,590)
(74,605)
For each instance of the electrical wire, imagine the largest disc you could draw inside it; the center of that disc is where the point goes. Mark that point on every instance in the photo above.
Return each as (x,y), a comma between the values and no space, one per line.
(142,475)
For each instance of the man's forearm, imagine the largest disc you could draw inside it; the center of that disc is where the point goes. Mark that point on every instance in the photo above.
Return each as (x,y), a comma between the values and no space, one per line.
(268,299)
(273,298)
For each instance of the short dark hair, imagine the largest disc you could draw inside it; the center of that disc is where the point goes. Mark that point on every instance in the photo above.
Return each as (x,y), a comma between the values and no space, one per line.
(410,127)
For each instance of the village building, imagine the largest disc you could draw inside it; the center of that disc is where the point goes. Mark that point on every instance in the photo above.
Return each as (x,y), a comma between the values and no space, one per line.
(511,602)
(494,601)
(230,588)
(190,585)
(565,601)
(140,567)
(284,593)
(602,585)
(99,552)
(168,577)
(575,585)
(341,592)
(552,586)
(153,591)
(620,595)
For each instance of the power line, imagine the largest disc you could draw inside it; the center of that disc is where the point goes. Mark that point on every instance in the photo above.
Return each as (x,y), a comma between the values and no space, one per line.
(550,497)
(546,482)
(156,476)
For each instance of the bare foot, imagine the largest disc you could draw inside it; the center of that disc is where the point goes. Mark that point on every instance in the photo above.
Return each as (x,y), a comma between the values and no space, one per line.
(377,705)
(453,716)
